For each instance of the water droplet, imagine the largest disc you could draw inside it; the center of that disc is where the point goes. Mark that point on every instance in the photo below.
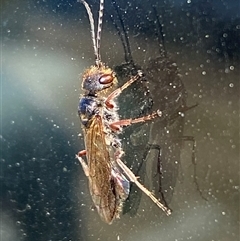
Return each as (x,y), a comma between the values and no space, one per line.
(28,207)
(18,223)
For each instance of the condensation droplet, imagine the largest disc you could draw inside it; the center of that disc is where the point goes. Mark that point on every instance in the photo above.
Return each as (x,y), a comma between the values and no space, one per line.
(28,207)
(18,223)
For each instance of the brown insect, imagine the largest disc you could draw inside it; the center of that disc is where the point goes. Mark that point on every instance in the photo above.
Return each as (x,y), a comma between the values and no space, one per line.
(108,176)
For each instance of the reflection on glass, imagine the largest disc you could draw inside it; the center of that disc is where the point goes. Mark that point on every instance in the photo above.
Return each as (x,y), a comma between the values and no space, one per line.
(46,45)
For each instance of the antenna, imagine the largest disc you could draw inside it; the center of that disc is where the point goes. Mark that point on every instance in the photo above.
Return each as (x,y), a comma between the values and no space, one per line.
(160,34)
(96,41)
(123,36)
(99,31)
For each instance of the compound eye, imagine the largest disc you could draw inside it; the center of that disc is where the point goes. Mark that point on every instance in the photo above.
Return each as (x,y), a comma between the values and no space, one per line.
(106,79)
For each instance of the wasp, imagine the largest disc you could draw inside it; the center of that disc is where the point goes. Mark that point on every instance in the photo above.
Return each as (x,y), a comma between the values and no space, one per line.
(109,178)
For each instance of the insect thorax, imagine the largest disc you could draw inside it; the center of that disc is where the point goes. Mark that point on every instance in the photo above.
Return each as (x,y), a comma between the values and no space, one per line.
(87,108)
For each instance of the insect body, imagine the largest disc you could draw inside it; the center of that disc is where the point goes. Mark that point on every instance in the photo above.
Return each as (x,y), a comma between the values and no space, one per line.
(108,176)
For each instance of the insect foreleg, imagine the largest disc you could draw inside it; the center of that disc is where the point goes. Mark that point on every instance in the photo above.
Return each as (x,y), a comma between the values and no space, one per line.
(119,90)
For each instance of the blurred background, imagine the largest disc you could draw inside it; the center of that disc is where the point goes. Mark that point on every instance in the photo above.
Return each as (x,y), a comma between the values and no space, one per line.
(45,47)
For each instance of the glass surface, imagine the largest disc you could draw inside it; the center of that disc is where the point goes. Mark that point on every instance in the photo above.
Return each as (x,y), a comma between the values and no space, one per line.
(45,47)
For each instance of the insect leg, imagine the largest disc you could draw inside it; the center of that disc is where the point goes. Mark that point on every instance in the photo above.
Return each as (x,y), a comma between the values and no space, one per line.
(194,162)
(182,110)
(83,163)
(159,169)
(134,179)
(127,122)
(119,90)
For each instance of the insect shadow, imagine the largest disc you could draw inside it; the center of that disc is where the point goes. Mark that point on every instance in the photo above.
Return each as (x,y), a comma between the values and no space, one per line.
(152,149)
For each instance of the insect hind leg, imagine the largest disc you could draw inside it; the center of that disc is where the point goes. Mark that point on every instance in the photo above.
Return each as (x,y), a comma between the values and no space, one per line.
(134,179)
(83,163)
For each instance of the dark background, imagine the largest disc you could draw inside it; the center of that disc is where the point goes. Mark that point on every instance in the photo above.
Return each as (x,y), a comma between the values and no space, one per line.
(45,46)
